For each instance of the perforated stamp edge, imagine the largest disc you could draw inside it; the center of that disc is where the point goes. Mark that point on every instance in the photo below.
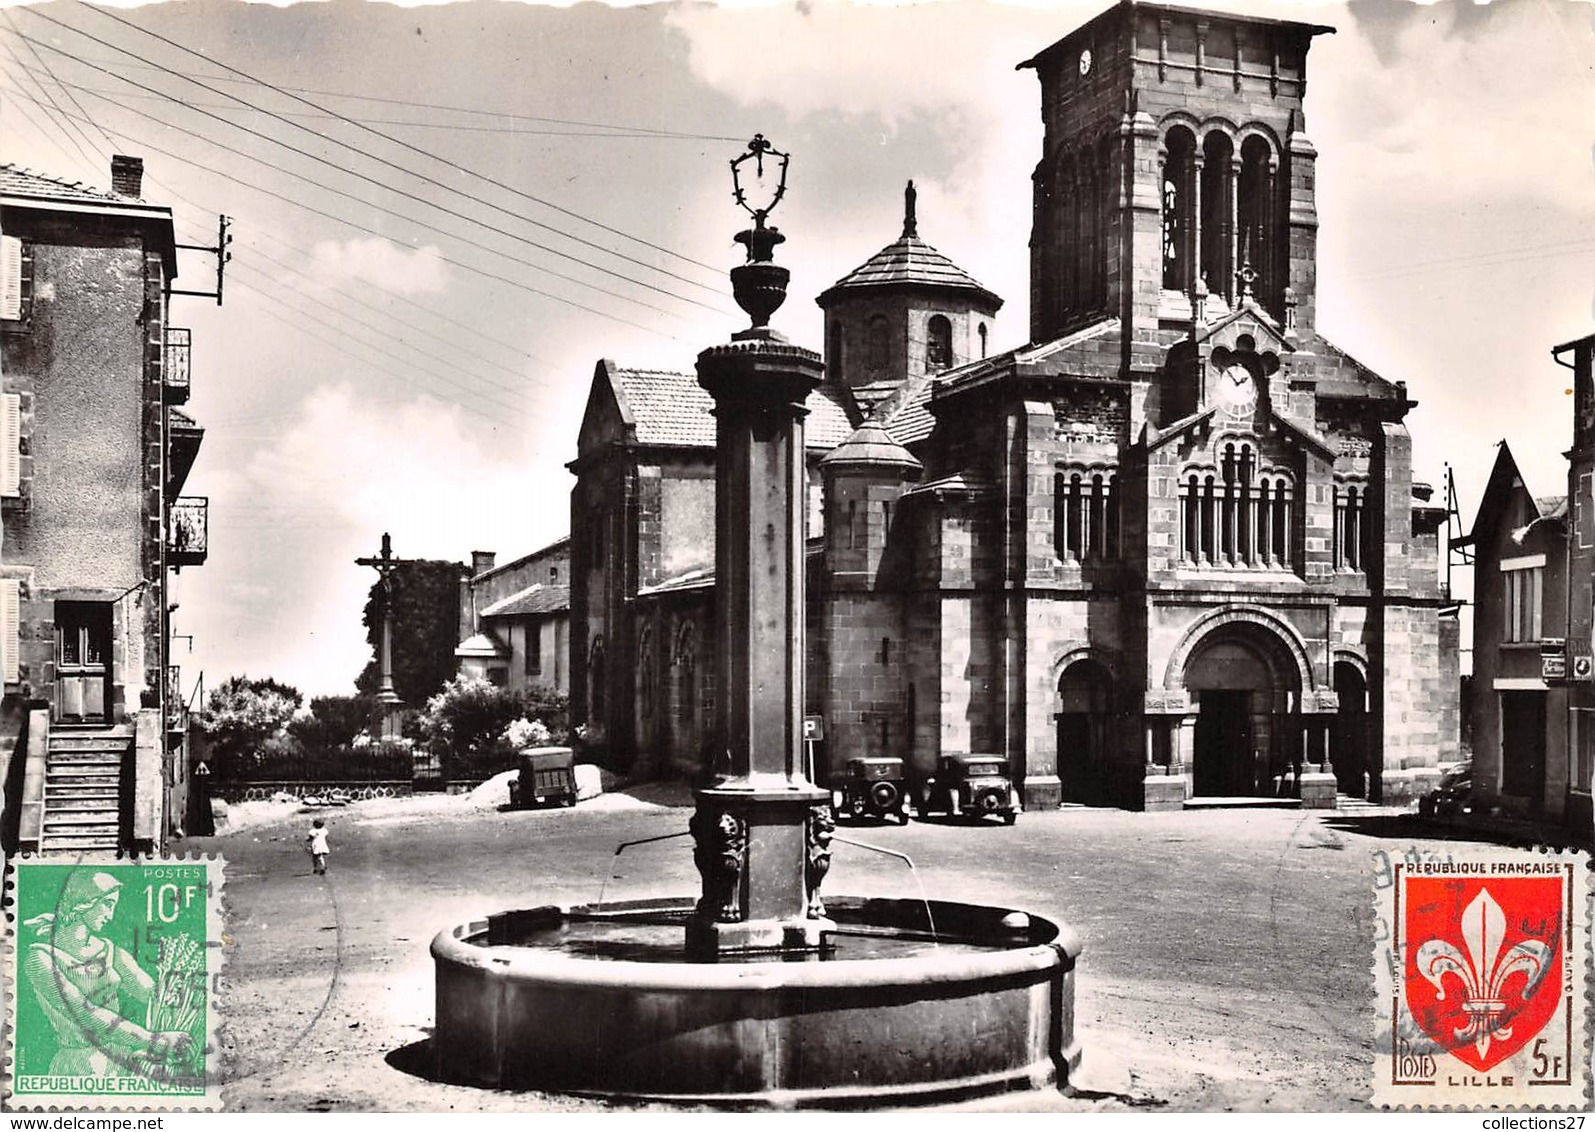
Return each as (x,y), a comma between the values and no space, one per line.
(215,959)
(1410,1070)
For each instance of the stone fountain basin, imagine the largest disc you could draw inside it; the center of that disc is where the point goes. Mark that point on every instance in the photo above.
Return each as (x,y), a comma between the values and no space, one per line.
(602,1002)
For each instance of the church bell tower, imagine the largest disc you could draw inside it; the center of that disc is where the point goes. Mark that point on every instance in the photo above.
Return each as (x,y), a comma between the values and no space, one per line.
(1175,164)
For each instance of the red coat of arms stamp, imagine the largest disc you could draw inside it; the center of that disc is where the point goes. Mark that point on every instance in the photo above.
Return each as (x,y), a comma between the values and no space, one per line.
(1481,973)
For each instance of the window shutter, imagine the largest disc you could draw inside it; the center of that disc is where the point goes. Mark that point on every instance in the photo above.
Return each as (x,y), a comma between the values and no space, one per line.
(10,444)
(10,278)
(9,637)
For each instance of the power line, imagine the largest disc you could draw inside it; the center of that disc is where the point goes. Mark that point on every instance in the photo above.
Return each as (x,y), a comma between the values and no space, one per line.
(520,285)
(42,89)
(630,131)
(341,346)
(389,164)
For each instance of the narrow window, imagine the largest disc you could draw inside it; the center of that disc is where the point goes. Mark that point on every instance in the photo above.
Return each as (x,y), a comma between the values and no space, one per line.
(981,331)
(938,344)
(880,352)
(886,650)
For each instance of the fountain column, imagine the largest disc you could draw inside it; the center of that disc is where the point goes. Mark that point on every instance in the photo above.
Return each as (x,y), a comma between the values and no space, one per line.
(761,829)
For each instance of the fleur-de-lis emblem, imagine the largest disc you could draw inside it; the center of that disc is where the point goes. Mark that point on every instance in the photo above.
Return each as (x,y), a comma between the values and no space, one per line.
(1483,971)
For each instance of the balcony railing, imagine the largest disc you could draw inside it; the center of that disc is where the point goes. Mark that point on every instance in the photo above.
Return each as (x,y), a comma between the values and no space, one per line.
(179,341)
(187,531)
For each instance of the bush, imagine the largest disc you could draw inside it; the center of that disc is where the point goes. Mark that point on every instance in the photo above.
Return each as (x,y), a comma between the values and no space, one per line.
(476,728)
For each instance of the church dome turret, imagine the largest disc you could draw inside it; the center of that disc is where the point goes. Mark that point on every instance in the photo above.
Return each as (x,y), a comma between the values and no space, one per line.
(906,310)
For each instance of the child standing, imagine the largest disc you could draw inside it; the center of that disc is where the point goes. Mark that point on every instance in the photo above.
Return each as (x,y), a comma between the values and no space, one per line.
(317,841)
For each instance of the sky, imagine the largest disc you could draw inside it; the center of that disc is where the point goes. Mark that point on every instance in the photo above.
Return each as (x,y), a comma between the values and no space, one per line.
(444,215)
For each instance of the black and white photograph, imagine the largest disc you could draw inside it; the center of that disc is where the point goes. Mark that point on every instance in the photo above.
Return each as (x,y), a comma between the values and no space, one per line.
(692,557)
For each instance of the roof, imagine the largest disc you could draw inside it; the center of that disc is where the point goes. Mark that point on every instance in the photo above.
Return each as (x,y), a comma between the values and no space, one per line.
(24,189)
(1133,6)
(540,598)
(1505,478)
(701,578)
(19,186)
(671,409)
(480,645)
(558,544)
(910,262)
(17,181)
(872,444)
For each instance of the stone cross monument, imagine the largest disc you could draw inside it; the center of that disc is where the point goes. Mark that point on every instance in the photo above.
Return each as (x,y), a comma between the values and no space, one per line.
(385,564)
(762,830)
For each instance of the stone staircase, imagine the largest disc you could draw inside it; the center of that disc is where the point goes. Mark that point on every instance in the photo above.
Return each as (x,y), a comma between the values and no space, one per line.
(83,788)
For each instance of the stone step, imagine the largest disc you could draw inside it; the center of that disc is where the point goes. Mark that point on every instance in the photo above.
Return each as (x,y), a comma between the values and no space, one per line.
(79,790)
(89,741)
(83,774)
(81,823)
(1242,803)
(78,843)
(83,758)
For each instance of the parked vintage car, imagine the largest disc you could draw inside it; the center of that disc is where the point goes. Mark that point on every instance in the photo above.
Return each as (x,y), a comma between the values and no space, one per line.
(1454,794)
(872,786)
(976,786)
(547,776)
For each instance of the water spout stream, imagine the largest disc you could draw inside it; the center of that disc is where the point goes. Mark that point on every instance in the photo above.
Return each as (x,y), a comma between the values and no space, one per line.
(909,861)
(624,845)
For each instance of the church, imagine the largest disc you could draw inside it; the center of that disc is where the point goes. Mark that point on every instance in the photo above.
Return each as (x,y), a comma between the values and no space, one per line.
(1169,550)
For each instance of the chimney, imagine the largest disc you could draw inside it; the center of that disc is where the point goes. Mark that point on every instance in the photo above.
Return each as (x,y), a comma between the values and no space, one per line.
(127,175)
(482,561)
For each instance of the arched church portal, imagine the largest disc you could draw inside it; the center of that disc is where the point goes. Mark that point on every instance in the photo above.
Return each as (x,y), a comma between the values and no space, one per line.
(1085,732)
(1244,684)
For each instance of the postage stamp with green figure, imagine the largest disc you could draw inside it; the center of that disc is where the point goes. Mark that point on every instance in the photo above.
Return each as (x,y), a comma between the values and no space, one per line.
(112,973)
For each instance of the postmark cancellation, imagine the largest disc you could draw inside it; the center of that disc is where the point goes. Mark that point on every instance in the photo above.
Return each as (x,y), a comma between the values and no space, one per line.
(112,969)
(1480,970)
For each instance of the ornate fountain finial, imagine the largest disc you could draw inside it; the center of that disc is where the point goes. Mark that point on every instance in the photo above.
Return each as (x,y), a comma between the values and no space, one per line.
(910,221)
(758,285)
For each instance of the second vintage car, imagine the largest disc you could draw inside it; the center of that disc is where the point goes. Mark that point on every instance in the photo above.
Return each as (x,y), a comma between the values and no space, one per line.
(977,786)
(873,787)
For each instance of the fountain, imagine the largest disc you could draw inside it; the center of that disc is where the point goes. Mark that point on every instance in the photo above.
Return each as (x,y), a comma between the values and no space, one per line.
(758,992)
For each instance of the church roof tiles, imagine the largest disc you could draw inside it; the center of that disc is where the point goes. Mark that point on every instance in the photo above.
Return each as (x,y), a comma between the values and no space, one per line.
(671,409)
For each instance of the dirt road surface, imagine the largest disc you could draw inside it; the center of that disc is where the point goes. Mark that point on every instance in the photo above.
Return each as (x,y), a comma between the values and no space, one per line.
(1226,965)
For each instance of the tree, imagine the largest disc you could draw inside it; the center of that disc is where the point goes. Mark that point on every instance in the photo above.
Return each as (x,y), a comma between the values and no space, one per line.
(426,624)
(243,714)
(333,723)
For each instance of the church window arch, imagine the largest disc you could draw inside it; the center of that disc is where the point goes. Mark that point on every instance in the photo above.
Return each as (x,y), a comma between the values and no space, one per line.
(833,351)
(1086,515)
(1350,539)
(980,332)
(1234,514)
(938,343)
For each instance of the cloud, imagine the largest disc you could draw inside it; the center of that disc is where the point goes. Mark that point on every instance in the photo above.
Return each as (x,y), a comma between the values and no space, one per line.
(1516,73)
(379,263)
(295,514)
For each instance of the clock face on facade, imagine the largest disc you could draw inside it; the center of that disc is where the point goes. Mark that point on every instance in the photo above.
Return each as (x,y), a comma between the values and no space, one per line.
(1085,62)
(1237,391)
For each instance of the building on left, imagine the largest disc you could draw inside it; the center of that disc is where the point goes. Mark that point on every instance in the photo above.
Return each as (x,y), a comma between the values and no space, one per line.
(94,455)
